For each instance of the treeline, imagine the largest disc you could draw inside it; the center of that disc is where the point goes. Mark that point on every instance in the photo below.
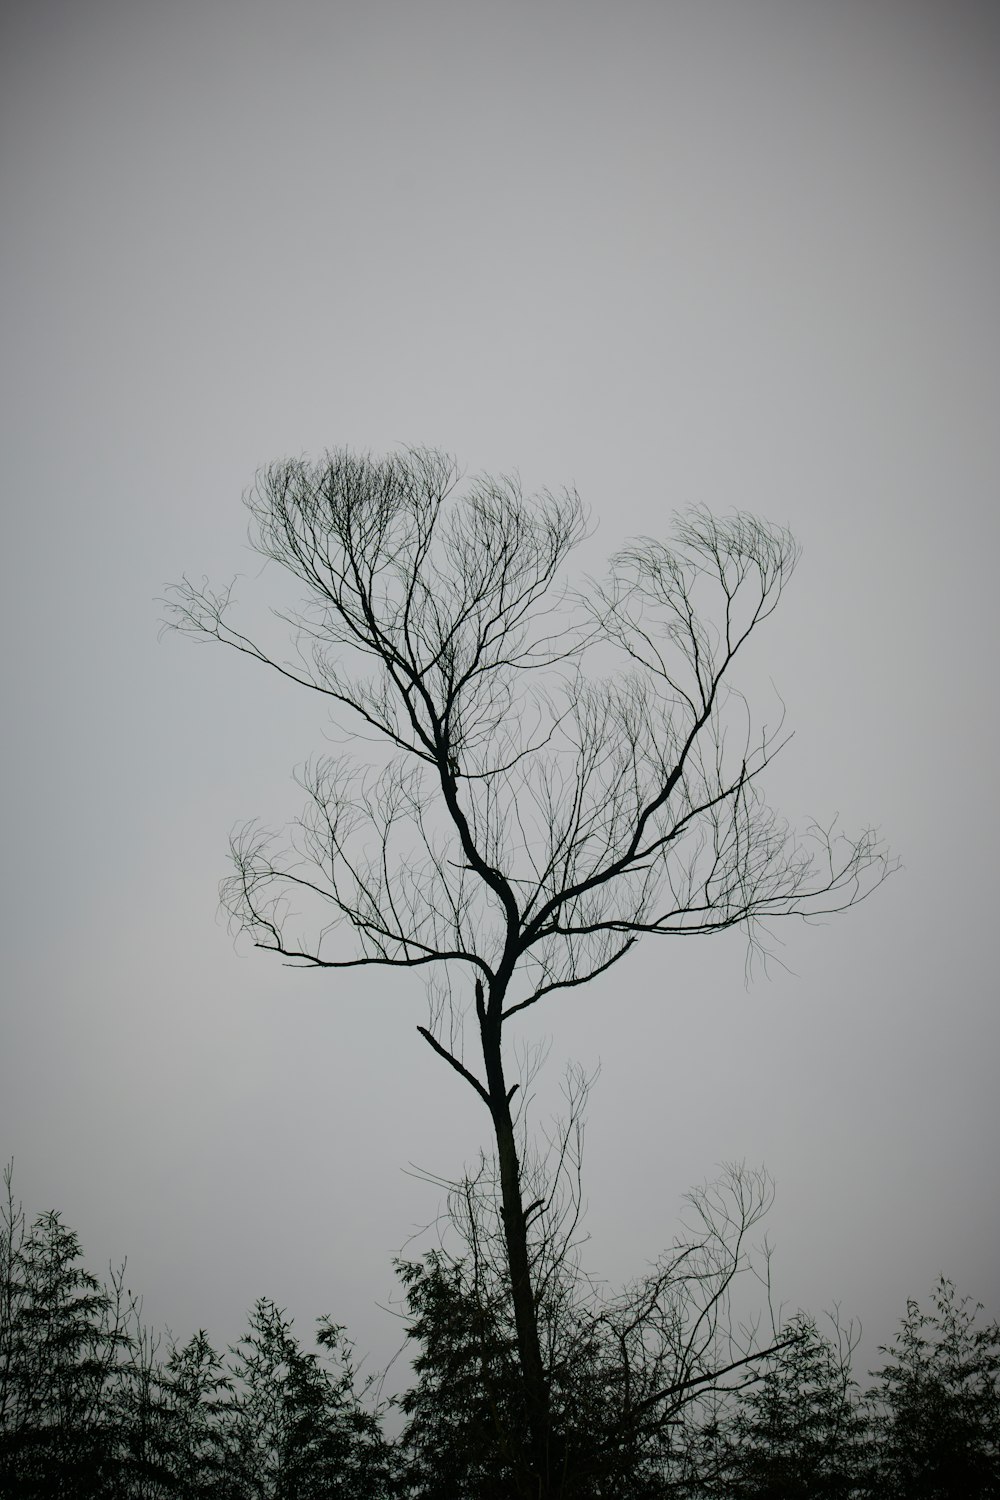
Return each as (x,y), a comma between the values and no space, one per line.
(92,1404)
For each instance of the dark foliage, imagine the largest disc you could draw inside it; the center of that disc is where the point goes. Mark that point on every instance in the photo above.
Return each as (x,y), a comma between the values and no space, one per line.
(90,1411)
(800,1431)
(465,1411)
(937,1404)
(63,1347)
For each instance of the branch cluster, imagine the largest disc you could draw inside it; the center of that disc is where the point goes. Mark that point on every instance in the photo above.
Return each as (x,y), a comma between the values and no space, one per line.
(565,771)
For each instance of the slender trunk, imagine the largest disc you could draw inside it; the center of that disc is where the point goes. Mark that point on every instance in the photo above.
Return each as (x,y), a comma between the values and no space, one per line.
(542,1446)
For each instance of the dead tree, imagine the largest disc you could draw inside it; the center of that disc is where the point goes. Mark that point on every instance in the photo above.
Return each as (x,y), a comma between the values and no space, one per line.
(564,771)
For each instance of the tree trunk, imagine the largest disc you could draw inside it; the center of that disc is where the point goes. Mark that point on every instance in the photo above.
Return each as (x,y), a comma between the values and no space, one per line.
(543,1448)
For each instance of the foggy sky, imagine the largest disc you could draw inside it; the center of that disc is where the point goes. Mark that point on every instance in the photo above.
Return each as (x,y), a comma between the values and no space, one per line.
(742,254)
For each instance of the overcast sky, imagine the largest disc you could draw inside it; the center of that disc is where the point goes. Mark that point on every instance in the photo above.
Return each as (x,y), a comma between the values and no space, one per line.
(745,254)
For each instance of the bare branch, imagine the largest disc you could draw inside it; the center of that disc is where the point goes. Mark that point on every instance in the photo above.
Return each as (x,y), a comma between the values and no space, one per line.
(460,1068)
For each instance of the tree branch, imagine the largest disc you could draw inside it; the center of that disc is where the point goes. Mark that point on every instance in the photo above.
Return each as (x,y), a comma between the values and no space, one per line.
(460,1068)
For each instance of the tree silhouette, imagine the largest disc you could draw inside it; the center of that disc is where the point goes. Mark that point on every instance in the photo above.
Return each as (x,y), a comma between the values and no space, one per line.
(632,1377)
(649,1391)
(190,1411)
(88,1411)
(563,772)
(937,1403)
(294,1427)
(799,1432)
(64,1343)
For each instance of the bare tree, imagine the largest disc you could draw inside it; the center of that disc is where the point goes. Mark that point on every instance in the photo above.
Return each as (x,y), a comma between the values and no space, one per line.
(565,771)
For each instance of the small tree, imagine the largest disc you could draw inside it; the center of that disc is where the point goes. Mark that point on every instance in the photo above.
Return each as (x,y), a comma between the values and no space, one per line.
(13,1230)
(294,1428)
(563,773)
(184,1403)
(64,1336)
(937,1404)
(465,1411)
(798,1432)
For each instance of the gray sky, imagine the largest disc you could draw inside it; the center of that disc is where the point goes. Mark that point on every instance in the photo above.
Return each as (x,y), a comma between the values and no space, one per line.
(741,254)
